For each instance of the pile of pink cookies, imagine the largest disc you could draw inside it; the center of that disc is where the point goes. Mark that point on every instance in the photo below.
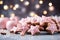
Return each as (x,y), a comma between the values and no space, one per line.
(31,25)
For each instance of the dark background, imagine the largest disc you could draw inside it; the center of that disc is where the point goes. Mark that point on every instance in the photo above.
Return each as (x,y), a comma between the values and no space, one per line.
(44,6)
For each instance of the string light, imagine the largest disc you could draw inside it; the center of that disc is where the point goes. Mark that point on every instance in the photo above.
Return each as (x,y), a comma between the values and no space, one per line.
(50,4)
(51,8)
(26,3)
(5,7)
(44,12)
(41,2)
(1,2)
(37,6)
(21,0)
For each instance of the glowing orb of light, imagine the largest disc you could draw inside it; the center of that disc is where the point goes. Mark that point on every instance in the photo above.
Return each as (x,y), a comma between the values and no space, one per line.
(5,7)
(16,5)
(2,16)
(37,6)
(51,8)
(1,2)
(44,12)
(41,2)
(26,3)
(50,4)
(21,0)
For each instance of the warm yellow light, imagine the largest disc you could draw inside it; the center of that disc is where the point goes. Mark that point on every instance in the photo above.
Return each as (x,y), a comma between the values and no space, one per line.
(14,8)
(35,15)
(50,4)
(37,6)
(1,2)
(41,2)
(32,13)
(2,16)
(21,0)
(16,5)
(5,7)
(51,8)
(26,3)
(12,15)
(44,12)
(11,6)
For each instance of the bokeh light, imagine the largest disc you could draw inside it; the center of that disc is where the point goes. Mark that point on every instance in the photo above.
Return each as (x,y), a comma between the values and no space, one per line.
(21,0)
(26,3)
(1,2)
(33,14)
(12,14)
(44,12)
(14,8)
(16,5)
(11,6)
(50,4)
(23,10)
(41,1)
(51,8)
(2,16)
(37,6)
(5,7)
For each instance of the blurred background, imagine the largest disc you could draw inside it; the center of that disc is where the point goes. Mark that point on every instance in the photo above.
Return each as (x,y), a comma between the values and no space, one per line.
(24,8)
